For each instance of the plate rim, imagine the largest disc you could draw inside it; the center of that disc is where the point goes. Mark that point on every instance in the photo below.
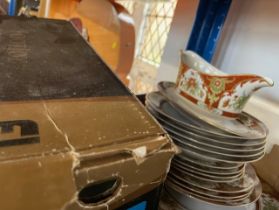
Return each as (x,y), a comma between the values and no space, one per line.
(165,86)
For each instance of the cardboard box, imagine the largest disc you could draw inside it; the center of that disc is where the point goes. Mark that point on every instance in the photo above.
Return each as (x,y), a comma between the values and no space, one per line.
(72,136)
(268,170)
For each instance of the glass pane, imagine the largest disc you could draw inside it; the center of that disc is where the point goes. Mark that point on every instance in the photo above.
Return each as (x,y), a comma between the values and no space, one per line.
(157,25)
(128,4)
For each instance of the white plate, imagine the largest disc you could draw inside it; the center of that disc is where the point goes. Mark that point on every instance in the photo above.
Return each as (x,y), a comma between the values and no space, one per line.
(211,147)
(205,177)
(207,169)
(245,125)
(213,177)
(174,184)
(208,141)
(168,112)
(243,185)
(206,161)
(225,143)
(192,202)
(156,99)
(206,154)
(209,187)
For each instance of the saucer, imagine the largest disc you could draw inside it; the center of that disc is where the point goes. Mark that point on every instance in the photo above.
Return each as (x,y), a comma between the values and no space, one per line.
(209,141)
(157,98)
(208,161)
(205,168)
(244,126)
(190,201)
(206,175)
(231,144)
(203,194)
(162,108)
(205,153)
(213,148)
(248,185)
(241,186)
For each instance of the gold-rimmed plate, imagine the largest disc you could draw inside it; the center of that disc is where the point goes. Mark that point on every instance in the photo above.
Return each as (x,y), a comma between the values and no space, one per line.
(205,168)
(193,132)
(201,193)
(205,175)
(211,147)
(239,187)
(245,125)
(189,200)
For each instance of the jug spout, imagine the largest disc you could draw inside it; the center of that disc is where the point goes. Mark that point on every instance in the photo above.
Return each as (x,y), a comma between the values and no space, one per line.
(234,98)
(267,82)
(248,84)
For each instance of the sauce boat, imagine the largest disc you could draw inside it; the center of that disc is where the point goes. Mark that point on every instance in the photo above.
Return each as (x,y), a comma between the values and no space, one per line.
(213,90)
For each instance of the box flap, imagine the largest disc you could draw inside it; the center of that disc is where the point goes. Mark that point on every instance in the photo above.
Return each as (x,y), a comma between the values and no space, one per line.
(65,125)
(49,59)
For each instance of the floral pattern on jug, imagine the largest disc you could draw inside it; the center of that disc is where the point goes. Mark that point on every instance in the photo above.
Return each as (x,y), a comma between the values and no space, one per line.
(193,84)
(215,91)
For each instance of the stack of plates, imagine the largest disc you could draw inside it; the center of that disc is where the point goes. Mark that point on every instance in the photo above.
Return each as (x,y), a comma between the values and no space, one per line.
(211,172)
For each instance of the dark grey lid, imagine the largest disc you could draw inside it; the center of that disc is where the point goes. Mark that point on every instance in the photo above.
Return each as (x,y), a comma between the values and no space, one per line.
(48,59)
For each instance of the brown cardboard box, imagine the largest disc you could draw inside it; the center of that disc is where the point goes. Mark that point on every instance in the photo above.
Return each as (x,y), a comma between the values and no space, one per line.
(72,136)
(268,169)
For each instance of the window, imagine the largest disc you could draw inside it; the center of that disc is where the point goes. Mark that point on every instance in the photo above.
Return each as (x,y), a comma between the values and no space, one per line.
(128,4)
(154,21)
(156,27)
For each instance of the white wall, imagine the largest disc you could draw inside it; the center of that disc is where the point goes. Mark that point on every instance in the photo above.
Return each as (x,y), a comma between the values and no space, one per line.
(250,44)
(250,41)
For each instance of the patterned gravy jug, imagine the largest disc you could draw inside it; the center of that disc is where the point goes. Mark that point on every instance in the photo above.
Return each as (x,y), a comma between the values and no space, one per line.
(213,90)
